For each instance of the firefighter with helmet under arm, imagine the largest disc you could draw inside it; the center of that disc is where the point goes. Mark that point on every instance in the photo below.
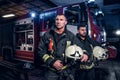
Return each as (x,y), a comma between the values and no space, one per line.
(85,69)
(51,49)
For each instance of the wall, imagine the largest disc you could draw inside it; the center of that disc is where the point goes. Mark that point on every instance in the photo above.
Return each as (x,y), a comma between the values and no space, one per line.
(6,36)
(112,24)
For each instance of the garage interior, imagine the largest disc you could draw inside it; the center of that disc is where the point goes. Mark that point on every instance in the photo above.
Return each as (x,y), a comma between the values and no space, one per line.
(14,70)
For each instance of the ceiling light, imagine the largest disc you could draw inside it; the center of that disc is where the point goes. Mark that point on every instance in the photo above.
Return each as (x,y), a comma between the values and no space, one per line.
(89,1)
(33,14)
(8,15)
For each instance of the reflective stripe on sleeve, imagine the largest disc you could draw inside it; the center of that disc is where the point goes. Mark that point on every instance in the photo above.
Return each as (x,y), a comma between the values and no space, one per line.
(84,51)
(46,57)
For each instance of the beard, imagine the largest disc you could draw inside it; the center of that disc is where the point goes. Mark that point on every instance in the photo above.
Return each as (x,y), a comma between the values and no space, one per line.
(83,35)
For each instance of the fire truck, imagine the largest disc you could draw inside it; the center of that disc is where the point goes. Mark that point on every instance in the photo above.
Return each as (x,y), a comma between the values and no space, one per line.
(76,13)
(25,39)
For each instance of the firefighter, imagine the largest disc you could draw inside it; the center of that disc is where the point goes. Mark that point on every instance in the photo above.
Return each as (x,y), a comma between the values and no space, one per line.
(52,47)
(85,69)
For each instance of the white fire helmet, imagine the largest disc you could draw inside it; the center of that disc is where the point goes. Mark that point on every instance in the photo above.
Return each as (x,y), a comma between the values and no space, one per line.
(100,53)
(73,52)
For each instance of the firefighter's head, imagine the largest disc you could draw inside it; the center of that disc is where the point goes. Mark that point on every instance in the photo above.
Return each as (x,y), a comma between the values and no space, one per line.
(82,29)
(60,21)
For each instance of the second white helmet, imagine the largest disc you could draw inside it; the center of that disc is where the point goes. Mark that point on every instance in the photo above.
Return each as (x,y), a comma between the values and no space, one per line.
(100,53)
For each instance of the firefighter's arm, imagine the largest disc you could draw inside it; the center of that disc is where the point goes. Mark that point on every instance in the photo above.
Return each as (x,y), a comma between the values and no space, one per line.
(42,51)
(85,55)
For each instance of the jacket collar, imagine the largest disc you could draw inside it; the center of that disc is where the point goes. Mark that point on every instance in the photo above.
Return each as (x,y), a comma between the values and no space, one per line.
(52,31)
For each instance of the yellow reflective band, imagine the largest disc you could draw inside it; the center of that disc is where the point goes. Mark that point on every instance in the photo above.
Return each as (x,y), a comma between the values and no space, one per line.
(86,66)
(68,44)
(84,51)
(63,55)
(64,67)
(91,46)
(51,56)
(45,57)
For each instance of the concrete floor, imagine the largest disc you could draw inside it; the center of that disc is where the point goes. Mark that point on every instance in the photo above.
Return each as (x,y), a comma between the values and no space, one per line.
(107,70)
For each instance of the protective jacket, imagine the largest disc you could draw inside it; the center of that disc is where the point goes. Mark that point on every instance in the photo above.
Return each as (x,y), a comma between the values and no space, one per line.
(52,46)
(88,45)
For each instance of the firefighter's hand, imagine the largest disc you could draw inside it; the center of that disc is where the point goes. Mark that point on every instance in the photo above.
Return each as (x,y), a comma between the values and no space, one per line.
(57,65)
(84,58)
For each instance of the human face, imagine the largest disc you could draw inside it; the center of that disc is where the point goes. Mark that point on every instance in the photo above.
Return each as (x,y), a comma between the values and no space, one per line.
(82,31)
(60,21)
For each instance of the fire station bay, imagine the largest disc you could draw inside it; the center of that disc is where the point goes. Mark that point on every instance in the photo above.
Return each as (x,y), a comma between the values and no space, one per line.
(59,39)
